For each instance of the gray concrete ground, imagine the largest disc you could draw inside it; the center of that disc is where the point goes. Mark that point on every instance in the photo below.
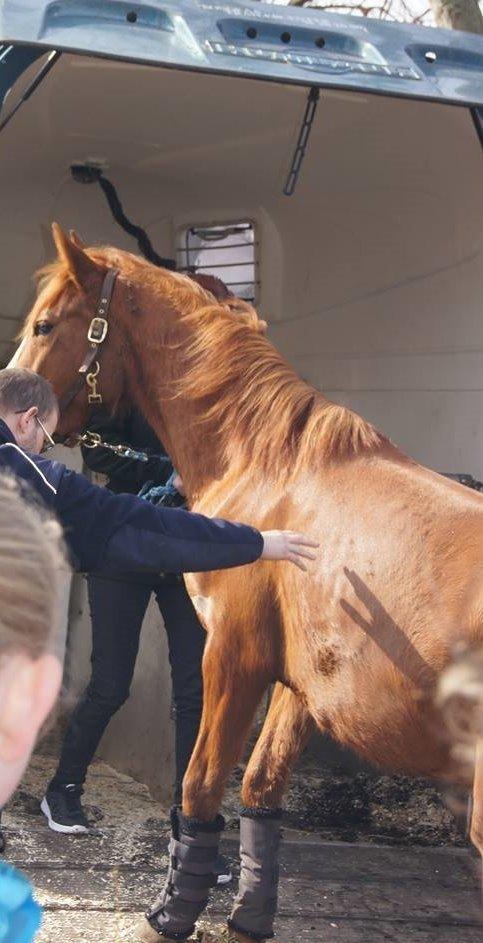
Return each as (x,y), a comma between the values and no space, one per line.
(95,888)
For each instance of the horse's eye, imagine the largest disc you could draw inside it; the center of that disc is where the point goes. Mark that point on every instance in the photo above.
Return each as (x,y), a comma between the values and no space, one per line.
(42,327)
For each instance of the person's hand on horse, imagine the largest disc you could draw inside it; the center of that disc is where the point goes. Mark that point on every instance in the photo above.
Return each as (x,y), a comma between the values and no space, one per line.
(288,545)
(178,484)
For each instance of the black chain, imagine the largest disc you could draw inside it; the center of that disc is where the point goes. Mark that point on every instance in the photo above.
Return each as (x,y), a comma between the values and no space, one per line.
(303,140)
(92,440)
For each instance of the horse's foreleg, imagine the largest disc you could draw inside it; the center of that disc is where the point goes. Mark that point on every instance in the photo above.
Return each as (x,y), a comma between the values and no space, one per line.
(230,699)
(231,695)
(285,732)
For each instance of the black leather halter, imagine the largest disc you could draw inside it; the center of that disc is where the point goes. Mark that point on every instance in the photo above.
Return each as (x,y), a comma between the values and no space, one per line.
(88,371)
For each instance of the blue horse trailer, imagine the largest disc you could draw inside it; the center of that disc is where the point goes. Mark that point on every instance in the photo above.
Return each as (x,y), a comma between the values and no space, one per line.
(327,167)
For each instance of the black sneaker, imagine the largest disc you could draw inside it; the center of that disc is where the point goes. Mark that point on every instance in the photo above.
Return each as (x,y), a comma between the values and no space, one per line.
(62,807)
(222,871)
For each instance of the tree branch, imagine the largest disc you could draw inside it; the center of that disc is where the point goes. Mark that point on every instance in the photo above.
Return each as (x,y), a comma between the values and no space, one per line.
(450,14)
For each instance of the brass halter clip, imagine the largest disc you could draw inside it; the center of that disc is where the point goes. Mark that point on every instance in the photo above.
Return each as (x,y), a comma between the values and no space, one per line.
(91,380)
(90,440)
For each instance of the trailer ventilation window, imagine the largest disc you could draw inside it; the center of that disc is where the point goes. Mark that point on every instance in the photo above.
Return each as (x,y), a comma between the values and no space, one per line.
(228,251)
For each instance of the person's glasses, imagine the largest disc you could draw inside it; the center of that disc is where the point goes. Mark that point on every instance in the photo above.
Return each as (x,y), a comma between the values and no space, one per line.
(48,440)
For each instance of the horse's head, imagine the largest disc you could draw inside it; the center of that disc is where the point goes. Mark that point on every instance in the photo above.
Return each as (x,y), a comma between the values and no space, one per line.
(87,331)
(59,332)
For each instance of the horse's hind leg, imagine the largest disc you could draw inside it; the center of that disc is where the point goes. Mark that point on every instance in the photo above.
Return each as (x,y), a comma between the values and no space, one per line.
(285,733)
(230,698)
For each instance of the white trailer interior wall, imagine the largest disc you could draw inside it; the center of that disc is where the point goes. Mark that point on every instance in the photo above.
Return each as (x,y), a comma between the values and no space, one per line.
(370,274)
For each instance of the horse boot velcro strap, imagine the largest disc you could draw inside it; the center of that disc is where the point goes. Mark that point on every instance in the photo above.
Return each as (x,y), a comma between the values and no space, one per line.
(193,850)
(192,887)
(256,902)
(201,860)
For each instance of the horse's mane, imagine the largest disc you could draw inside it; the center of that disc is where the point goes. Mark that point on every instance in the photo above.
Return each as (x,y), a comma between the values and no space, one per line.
(242,384)
(264,410)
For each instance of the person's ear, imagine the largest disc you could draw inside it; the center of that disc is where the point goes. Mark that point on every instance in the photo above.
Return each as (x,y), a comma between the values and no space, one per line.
(28,690)
(47,681)
(24,419)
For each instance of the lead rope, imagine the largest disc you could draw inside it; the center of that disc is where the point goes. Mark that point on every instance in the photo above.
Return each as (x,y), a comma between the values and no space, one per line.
(91,173)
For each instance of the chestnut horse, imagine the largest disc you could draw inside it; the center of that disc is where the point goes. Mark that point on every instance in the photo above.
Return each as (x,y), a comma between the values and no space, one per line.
(356,645)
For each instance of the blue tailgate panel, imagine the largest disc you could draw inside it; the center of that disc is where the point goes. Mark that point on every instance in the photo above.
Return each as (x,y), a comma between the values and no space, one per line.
(283,44)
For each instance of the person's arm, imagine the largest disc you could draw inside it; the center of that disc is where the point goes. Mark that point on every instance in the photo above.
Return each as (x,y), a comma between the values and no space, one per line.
(119,533)
(122,533)
(178,541)
(131,472)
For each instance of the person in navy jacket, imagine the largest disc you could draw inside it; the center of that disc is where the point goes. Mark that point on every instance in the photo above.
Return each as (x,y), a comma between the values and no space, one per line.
(129,548)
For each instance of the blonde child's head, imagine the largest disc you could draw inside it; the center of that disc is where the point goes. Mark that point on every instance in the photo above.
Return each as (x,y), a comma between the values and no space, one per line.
(33,571)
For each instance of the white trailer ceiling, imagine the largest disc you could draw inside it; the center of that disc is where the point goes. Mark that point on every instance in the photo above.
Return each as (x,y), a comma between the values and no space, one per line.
(371,274)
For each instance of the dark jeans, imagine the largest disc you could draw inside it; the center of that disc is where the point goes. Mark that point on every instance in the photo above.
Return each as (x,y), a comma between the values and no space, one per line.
(117,612)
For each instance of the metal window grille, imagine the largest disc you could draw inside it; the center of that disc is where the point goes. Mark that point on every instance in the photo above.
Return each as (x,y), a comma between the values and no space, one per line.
(228,251)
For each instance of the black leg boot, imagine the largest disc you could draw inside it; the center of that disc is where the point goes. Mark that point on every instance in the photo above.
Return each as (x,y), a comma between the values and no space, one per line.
(193,849)
(256,902)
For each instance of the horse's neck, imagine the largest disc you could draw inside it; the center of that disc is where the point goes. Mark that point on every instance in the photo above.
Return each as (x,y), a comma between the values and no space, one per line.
(193,446)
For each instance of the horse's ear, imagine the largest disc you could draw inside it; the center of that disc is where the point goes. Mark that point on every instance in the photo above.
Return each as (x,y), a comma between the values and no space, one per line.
(213,284)
(80,266)
(76,239)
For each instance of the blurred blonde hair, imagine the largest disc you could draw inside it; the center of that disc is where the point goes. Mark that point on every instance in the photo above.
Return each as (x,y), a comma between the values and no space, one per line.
(33,570)
(460,699)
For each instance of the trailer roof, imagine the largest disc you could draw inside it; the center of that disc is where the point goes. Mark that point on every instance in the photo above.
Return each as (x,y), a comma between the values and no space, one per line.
(281,44)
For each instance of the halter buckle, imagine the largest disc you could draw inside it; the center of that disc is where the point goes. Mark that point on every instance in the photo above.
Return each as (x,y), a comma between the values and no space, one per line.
(97,330)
